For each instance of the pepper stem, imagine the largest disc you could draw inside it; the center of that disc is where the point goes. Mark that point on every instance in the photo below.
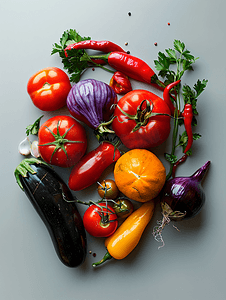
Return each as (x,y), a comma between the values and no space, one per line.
(106,257)
(90,58)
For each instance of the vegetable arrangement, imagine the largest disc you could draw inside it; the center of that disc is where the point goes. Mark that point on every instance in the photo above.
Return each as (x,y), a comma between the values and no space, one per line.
(139,121)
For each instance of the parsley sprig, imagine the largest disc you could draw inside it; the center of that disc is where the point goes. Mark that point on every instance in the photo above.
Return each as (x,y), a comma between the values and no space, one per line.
(77,60)
(180,57)
(171,66)
(74,64)
(34,128)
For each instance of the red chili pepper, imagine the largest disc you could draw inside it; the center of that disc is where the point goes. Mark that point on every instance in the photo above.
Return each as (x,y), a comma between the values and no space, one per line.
(133,67)
(104,46)
(120,83)
(177,163)
(167,96)
(89,169)
(188,116)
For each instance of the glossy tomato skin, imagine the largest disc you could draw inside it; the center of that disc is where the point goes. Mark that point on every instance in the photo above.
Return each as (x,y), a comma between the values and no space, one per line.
(75,133)
(150,135)
(108,189)
(123,208)
(48,88)
(89,169)
(94,217)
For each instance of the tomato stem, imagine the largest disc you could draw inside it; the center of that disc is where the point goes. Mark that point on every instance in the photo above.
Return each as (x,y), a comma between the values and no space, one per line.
(142,115)
(59,141)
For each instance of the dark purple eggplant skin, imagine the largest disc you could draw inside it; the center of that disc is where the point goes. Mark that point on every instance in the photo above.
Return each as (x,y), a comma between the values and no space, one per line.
(49,195)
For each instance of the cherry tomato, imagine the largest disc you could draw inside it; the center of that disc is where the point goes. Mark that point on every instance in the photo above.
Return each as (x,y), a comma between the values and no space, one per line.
(136,122)
(48,89)
(123,208)
(100,220)
(108,189)
(62,141)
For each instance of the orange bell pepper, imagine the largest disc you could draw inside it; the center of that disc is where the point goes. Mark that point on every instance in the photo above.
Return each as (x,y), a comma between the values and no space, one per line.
(128,235)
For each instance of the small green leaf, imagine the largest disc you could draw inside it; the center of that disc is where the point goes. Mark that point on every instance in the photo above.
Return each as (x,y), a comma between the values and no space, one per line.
(172,54)
(199,87)
(179,46)
(34,128)
(188,56)
(183,139)
(171,158)
(196,136)
(64,39)
(187,65)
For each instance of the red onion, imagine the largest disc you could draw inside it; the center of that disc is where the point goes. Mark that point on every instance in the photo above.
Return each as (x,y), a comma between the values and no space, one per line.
(91,101)
(181,198)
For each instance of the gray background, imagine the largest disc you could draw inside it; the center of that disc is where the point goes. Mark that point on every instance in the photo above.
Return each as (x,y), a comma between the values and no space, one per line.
(192,263)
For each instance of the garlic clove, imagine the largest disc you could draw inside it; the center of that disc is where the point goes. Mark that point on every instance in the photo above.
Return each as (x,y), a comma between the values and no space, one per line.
(34,149)
(24,147)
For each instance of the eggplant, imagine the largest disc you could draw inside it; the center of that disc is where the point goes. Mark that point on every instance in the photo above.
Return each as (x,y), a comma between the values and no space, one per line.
(54,203)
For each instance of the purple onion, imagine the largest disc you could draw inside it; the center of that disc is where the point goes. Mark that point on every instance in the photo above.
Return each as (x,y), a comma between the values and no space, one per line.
(185,194)
(181,198)
(91,101)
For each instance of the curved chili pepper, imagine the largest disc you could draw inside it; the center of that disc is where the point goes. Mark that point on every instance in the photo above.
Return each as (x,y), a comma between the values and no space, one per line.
(104,46)
(134,68)
(120,83)
(188,116)
(167,96)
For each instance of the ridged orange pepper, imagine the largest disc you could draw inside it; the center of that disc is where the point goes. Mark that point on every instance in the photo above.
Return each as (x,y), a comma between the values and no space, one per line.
(128,235)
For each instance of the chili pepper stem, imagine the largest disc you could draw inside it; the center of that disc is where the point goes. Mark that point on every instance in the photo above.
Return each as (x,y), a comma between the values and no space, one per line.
(90,58)
(106,257)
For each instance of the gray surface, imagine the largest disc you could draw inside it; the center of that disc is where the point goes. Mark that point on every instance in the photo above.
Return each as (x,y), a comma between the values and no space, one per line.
(192,264)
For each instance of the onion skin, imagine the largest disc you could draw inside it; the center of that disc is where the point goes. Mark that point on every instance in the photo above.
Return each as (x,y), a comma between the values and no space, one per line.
(185,194)
(91,102)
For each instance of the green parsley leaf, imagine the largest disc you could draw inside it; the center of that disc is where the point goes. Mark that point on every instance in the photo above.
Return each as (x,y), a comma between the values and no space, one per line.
(179,46)
(170,158)
(183,139)
(34,128)
(190,95)
(172,55)
(200,86)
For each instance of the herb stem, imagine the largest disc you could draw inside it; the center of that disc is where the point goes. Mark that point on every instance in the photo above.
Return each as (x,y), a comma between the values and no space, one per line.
(175,134)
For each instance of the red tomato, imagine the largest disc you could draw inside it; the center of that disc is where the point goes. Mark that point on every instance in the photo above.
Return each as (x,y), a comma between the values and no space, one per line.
(100,220)
(62,141)
(133,127)
(89,169)
(49,88)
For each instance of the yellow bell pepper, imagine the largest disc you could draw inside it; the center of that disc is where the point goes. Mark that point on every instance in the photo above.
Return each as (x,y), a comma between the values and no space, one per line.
(128,235)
